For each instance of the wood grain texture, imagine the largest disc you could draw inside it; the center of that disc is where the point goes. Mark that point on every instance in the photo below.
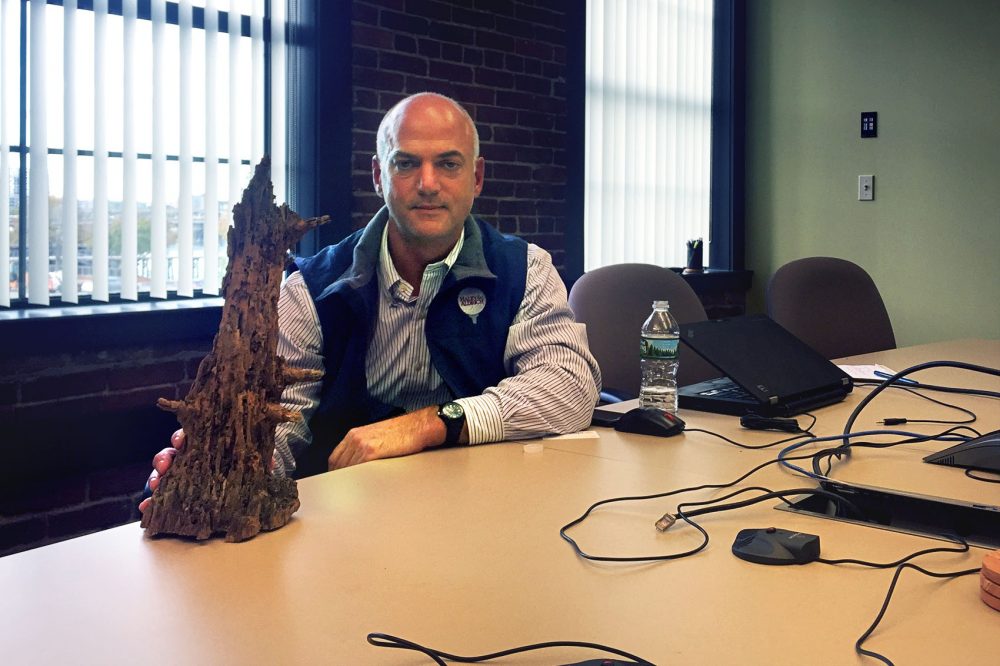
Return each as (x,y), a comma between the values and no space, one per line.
(219,482)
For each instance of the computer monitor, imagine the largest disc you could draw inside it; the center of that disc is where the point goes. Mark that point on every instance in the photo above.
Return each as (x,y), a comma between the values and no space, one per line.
(979,453)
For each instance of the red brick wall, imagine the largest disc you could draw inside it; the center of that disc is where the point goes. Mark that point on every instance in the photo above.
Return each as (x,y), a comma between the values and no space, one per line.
(505,62)
(79,431)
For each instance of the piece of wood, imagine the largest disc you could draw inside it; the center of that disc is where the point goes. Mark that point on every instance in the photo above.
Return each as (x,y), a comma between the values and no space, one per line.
(219,482)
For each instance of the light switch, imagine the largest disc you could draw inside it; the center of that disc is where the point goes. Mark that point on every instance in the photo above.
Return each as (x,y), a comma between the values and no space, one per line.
(866,188)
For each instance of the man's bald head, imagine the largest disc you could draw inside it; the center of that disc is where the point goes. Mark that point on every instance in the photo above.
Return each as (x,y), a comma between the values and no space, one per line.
(427,102)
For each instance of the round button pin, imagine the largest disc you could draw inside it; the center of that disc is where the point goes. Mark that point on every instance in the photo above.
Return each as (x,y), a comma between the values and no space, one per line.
(472,300)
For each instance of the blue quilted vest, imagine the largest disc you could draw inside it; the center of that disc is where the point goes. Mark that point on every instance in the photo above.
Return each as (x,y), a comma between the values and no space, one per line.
(468,355)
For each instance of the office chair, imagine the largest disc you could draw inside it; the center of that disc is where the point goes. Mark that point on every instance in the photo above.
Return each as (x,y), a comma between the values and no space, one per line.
(614,301)
(832,305)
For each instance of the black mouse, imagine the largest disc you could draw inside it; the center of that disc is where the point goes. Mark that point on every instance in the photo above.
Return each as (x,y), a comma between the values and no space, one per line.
(650,421)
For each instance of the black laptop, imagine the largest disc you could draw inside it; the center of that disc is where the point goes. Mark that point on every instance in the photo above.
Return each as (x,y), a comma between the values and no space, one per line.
(767,370)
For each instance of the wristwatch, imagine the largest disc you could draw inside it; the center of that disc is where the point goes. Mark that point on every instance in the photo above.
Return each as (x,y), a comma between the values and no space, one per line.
(454,418)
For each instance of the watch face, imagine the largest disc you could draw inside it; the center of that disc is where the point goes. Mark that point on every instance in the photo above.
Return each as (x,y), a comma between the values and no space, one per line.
(452,410)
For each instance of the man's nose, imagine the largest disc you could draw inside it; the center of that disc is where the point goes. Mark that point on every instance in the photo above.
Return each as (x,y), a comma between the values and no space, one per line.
(428,179)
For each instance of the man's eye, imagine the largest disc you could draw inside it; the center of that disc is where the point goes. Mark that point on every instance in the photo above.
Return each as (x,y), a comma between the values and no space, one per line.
(404,164)
(450,165)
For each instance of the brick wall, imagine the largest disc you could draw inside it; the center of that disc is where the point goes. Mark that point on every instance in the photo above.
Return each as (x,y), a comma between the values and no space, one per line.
(505,62)
(78,430)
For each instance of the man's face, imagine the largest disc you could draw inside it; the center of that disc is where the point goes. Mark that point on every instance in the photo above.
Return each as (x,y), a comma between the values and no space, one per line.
(430,176)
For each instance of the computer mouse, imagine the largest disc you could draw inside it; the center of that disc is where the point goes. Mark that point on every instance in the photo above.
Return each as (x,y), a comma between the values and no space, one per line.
(650,421)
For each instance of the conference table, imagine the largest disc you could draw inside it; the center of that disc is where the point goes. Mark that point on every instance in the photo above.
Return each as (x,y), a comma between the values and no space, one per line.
(459,549)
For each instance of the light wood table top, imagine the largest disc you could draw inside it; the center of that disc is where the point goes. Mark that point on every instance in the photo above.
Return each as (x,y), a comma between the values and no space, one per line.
(459,549)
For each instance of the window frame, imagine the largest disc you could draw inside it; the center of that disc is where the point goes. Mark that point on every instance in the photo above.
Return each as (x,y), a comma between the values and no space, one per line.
(320,118)
(28,329)
(726,217)
(727,222)
(20,153)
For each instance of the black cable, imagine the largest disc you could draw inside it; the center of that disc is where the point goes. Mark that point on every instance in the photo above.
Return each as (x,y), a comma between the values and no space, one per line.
(686,515)
(963,548)
(903,563)
(970,473)
(916,368)
(844,450)
(439,657)
(768,494)
(888,597)
(899,421)
(635,498)
(839,451)
(941,389)
(803,434)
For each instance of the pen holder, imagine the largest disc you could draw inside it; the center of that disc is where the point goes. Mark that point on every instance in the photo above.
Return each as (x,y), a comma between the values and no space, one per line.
(694,256)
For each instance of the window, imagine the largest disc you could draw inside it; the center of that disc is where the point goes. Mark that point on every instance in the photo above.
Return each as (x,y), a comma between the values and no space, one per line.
(128,129)
(657,73)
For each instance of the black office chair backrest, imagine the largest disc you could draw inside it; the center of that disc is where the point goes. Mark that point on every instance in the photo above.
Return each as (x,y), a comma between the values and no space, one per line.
(832,305)
(614,301)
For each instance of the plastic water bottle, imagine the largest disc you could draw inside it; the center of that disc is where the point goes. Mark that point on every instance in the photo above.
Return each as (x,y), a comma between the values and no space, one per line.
(658,358)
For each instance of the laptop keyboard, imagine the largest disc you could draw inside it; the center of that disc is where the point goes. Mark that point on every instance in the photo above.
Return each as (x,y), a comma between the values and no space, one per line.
(727,388)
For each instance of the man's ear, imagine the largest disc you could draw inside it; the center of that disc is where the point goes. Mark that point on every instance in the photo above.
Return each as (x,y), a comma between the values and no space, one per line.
(377,174)
(480,174)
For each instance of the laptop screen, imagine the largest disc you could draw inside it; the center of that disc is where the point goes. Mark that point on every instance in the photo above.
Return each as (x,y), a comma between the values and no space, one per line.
(763,358)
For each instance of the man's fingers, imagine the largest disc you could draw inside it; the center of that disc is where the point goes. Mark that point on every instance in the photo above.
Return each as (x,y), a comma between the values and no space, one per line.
(154,480)
(161,463)
(358,457)
(333,462)
(343,456)
(346,454)
(163,459)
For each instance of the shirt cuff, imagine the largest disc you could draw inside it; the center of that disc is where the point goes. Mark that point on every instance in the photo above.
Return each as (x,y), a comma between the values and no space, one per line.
(482,417)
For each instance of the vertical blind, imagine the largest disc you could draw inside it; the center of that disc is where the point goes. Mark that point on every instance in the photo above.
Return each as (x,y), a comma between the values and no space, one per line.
(648,130)
(125,140)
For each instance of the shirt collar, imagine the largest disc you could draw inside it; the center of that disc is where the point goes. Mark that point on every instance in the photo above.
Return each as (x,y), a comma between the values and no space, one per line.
(390,278)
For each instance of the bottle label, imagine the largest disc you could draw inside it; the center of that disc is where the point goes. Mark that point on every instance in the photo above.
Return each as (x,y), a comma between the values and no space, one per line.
(658,349)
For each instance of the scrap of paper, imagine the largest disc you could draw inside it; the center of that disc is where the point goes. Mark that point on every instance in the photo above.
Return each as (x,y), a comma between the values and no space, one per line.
(583,434)
(868,371)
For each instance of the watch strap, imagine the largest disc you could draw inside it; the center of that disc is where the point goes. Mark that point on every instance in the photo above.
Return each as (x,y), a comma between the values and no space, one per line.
(453,424)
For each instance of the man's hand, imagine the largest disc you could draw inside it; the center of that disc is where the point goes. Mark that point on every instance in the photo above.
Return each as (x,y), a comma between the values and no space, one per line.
(165,458)
(400,436)
(161,463)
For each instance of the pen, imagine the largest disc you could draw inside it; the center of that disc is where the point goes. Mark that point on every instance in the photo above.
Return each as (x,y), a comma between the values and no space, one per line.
(901,380)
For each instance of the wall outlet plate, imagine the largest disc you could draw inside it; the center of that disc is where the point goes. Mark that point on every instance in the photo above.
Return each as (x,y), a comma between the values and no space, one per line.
(866,188)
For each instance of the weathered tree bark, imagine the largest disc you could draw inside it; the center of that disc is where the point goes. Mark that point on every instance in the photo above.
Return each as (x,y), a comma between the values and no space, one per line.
(219,482)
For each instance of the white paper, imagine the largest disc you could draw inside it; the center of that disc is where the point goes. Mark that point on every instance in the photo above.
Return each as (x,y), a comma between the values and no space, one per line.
(583,434)
(867,371)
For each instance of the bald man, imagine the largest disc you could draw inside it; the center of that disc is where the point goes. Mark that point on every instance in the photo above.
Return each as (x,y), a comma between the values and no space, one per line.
(431,328)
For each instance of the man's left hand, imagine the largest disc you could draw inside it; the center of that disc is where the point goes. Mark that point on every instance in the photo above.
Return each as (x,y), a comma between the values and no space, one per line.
(399,436)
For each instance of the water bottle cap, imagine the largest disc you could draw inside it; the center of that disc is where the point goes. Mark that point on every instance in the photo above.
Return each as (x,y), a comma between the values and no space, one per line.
(661,305)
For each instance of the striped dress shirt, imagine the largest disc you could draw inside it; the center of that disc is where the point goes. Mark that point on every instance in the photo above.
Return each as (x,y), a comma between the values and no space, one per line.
(552,383)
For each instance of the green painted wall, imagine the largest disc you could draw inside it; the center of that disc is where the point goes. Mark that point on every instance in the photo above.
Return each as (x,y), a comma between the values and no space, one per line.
(931,69)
